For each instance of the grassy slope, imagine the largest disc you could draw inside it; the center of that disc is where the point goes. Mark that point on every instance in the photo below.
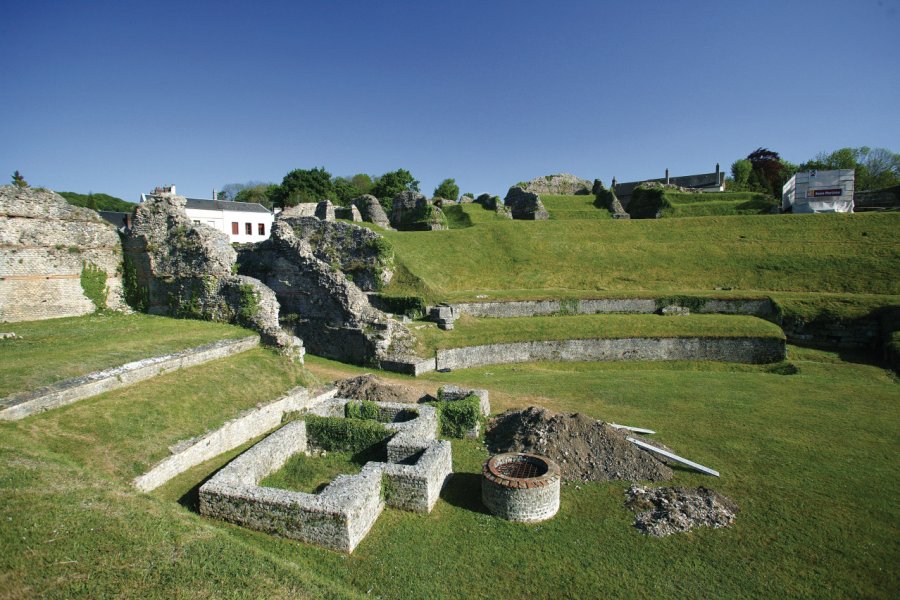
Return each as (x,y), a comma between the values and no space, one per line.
(565,208)
(101,201)
(809,458)
(719,203)
(58,349)
(471,331)
(853,253)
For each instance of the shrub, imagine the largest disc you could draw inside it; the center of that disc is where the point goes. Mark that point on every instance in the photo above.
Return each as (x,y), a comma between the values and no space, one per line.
(411,306)
(336,434)
(248,304)
(447,189)
(93,283)
(457,417)
(362,409)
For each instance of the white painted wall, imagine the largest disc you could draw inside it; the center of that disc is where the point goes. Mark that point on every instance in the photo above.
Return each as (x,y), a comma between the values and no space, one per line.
(819,191)
(222,220)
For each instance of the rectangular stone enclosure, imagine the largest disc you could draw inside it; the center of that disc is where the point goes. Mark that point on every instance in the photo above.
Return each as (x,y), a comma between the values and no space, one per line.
(340,516)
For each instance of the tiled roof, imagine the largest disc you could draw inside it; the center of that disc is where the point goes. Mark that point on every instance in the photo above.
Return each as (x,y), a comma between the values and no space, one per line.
(224,205)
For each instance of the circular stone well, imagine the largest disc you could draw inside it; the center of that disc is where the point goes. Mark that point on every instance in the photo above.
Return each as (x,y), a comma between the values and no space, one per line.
(520,487)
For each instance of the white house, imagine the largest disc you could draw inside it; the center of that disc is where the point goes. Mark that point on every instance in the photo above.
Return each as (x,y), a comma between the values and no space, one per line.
(243,221)
(819,192)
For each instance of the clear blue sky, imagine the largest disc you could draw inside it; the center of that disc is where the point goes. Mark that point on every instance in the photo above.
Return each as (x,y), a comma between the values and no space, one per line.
(119,97)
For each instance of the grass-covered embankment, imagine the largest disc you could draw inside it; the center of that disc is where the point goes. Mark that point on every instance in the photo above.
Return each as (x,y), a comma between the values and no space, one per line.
(843,253)
(471,331)
(567,208)
(57,349)
(809,458)
(647,203)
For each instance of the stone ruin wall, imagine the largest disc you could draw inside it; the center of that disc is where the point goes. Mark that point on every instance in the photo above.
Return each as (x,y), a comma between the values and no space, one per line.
(44,244)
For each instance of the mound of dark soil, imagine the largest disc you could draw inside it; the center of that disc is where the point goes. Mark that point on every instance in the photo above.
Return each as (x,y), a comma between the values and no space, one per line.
(667,510)
(585,449)
(369,387)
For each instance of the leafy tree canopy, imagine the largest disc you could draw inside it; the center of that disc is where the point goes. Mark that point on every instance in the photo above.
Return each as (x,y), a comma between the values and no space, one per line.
(390,184)
(305,185)
(261,193)
(874,168)
(18,180)
(447,189)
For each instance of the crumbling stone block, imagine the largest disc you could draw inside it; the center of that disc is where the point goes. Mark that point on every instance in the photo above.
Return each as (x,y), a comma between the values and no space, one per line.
(525,205)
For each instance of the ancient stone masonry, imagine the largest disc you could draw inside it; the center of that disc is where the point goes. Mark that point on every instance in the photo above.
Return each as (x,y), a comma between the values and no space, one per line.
(325,210)
(559,184)
(371,211)
(525,205)
(176,268)
(493,203)
(47,247)
(341,515)
(348,213)
(365,257)
(413,211)
(320,303)
(607,199)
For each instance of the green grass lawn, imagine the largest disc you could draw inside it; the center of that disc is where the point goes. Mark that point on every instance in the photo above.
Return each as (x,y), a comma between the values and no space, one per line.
(682,204)
(472,331)
(58,349)
(461,216)
(839,254)
(809,458)
(565,208)
(311,474)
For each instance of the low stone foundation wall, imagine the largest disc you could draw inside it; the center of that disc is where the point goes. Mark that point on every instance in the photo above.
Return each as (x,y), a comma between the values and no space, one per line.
(757,307)
(743,350)
(232,434)
(341,515)
(21,405)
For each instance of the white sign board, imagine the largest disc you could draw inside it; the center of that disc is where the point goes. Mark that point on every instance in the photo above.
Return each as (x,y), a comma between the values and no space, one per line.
(819,192)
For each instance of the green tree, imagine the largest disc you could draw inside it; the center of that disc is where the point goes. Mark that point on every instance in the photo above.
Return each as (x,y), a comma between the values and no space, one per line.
(740,173)
(390,184)
(345,190)
(18,180)
(261,193)
(305,185)
(447,190)
(91,201)
(769,174)
(363,183)
(874,168)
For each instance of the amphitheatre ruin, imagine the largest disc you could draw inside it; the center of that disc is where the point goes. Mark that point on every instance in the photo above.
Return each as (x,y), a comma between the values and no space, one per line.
(500,380)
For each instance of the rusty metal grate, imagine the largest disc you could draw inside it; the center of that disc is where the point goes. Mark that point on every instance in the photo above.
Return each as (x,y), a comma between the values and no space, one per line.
(522,469)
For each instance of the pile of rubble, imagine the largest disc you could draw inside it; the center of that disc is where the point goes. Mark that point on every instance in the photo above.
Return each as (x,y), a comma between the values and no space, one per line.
(584,448)
(667,510)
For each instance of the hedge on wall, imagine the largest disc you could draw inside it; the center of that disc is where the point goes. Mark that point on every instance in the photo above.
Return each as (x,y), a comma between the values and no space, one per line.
(336,434)
(457,417)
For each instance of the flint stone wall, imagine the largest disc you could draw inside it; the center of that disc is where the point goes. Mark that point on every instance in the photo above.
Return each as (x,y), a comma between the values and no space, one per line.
(232,434)
(19,406)
(525,205)
(559,184)
(413,211)
(759,307)
(742,350)
(327,310)
(360,253)
(44,244)
(185,270)
(340,516)
(371,210)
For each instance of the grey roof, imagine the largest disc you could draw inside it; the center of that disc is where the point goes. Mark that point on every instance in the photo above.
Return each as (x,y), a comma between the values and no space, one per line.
(119,219)
(225,205)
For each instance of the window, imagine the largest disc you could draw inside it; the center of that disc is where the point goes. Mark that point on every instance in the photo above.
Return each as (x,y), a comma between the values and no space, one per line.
(234,228)
(262,229)
(196,222)
(248,228)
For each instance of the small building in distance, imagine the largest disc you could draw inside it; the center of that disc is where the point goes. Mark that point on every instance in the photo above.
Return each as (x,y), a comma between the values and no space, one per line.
(819,192)
(703,182)
(243,222)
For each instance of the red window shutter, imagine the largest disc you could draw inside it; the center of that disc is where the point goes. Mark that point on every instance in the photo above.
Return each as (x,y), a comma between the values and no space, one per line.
(234,228)
(262,229)
(248,228)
